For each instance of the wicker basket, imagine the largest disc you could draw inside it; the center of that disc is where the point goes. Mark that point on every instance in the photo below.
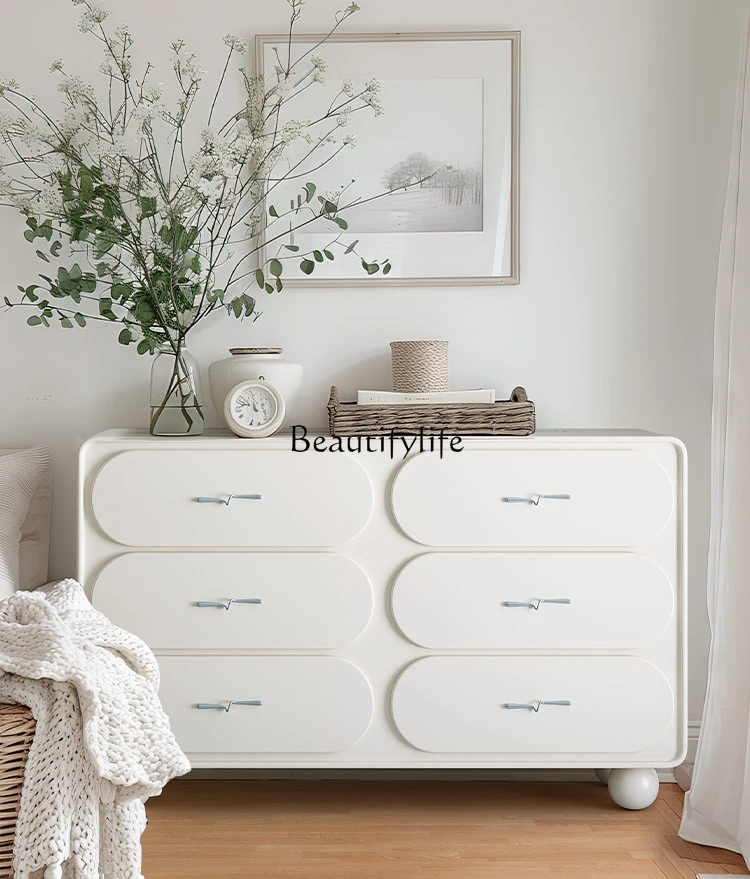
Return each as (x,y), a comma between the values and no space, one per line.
(514,417)
(17,727)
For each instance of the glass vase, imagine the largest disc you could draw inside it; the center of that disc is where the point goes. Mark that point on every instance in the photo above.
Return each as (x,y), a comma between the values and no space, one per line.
(176,393)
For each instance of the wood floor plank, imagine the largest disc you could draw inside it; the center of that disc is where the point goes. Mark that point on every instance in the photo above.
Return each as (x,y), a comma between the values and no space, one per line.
(417,830)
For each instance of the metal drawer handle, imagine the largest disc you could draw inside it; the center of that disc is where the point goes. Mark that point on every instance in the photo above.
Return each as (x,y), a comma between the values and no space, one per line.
(535,706)
(227,604)
(229,498)
(537,602)
(534,499)
(226,706)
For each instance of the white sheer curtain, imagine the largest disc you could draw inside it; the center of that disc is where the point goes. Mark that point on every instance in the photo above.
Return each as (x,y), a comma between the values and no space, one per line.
(717,808)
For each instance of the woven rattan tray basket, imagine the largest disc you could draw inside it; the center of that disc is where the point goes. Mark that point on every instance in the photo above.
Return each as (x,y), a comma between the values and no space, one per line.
(514,417)
(17,728)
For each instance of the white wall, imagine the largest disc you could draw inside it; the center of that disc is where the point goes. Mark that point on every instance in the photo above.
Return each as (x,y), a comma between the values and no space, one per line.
(626,111)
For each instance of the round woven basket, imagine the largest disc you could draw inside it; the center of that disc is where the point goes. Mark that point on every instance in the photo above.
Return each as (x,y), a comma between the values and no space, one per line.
(17,726)
(419,366)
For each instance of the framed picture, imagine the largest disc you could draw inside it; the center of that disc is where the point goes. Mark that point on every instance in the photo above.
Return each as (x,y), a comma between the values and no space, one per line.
(432,183)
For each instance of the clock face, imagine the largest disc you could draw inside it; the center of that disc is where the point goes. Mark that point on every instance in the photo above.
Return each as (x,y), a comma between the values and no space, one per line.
(253,407)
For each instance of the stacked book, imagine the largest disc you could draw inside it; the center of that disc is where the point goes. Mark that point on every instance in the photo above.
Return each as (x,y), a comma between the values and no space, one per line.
(392,398)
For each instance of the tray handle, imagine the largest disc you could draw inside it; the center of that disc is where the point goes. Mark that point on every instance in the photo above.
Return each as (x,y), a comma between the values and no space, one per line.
(519,395)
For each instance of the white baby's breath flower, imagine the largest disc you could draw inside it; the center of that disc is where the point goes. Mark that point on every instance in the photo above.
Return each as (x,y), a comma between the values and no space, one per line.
(211,189)
(318,63)
(352,8)
(50,198)
(56,163)
(318,76)
(344,118)
(56,66)
(8,85)
(350,140)
(235,43)
(7,124)
(75,89)
(347,87)
(294,130)
(153,92)
(91,18)
(190,69)
(371,97)
(143,116)
(107,67)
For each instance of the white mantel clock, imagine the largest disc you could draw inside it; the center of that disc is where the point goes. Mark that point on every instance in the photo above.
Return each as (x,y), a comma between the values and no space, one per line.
(254,408)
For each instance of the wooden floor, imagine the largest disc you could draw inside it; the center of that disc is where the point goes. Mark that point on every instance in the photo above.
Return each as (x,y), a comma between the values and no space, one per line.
(408,830)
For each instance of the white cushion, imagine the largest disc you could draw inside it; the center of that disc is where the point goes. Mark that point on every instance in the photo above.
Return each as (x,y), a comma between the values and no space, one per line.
(24,518)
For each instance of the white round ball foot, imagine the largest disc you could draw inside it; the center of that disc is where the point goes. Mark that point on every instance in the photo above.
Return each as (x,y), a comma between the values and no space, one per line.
(602,775)
(633,788)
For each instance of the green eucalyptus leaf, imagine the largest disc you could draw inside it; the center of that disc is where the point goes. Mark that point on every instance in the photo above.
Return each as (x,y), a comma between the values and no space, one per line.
(66,322)
(30,235)
(307,266)
(125,337)
(260,278)
(275,267)
(328,254)
(386,268)
(121,291)
(293,247)
(273,212)
(34,320)
(318,256)
(143,347)
(42,255)
(340,222)
(269,288)
(329,207)
(148,207)
(310,189)
(79,319)
(56,248)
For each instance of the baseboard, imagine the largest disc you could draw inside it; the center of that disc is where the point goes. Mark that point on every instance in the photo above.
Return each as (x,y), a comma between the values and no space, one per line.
(541,775)
(694,731)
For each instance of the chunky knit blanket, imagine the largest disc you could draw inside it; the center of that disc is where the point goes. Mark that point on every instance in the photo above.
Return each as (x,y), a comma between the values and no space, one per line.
(102,744)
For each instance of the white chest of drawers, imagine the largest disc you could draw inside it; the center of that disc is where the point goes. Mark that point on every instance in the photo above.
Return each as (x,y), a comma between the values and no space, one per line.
(520,603)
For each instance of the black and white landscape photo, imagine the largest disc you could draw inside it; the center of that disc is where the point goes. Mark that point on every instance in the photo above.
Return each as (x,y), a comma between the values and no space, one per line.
(422,158)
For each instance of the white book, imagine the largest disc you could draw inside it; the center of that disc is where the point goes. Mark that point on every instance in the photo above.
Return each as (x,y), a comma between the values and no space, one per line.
(391,398)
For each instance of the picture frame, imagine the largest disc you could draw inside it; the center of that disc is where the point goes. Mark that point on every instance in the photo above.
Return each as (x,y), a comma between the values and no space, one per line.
(455,100)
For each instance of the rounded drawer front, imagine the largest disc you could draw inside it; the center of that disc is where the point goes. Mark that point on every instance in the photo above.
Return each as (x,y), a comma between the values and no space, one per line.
(231,498)
(516,601)
(233,601)
(533,705)
(283,704)
(542,497)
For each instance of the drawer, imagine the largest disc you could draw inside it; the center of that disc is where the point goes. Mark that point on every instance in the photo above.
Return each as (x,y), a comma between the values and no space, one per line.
(515,601)
(317,704)
(495,498)
(151,498)
(617,705)
(304,600)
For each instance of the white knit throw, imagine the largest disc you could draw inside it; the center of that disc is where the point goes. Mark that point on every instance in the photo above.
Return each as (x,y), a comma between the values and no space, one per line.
(102,744)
